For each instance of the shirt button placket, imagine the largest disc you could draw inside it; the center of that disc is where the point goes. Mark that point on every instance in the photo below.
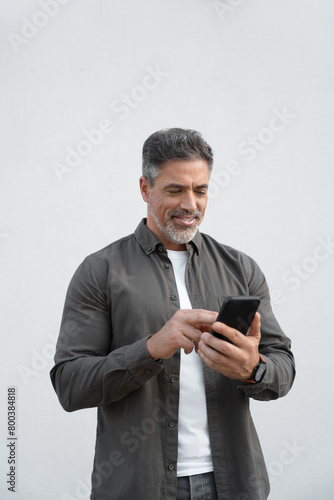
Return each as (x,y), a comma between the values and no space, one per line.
(172,427)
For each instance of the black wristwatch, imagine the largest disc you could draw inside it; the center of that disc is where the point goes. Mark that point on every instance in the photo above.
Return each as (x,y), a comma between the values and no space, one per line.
(258,372)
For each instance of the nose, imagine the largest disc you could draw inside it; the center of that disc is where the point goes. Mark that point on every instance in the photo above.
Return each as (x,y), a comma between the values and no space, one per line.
(188,201)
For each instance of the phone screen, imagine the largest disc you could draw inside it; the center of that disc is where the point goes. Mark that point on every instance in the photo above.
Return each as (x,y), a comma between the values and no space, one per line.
(238,312)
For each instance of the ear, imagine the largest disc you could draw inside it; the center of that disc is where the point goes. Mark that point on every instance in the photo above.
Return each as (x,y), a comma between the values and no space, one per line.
(144,188)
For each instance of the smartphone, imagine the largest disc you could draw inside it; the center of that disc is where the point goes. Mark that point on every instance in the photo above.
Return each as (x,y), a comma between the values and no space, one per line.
(237,312)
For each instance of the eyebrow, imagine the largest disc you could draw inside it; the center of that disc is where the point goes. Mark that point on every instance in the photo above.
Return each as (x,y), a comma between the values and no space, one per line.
(175,185)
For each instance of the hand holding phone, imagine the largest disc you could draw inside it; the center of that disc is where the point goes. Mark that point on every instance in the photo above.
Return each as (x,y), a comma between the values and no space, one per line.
(237,312)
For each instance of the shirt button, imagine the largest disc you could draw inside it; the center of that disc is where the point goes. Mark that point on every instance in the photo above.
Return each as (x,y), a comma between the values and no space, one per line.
(174,297)
(171,423)
(148,371)
(172,379)
(168,266)
(170,466)
(160,248)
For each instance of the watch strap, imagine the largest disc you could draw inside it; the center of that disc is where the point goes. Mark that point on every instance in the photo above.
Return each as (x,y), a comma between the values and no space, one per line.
(252,380)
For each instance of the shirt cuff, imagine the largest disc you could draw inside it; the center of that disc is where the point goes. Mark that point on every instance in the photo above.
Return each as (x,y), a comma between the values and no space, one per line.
(139,362)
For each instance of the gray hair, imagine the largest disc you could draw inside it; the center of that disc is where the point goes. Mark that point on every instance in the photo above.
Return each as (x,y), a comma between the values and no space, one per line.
(173,144)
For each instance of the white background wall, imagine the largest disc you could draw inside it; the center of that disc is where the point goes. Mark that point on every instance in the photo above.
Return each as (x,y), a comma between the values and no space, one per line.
(227,69)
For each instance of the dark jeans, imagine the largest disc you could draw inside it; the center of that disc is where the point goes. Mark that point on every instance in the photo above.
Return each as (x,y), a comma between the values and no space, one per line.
(198,487)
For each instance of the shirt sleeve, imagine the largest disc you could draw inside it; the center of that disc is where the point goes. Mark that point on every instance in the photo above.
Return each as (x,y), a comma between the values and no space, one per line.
(87,373)
(274,346)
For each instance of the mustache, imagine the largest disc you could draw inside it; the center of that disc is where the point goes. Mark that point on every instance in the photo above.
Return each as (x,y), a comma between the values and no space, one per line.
(185,213)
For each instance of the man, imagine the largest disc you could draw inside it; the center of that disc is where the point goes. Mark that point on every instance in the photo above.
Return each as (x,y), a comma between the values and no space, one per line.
(135,342)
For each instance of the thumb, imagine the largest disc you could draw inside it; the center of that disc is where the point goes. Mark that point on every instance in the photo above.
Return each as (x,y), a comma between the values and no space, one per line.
(255,327)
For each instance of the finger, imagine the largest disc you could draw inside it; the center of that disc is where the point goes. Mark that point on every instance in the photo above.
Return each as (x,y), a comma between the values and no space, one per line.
(191,333)
(213,351)
(189,345)
(209,343)
(236,337)
(204,327)
(255,327)
(208,358)
(200,316)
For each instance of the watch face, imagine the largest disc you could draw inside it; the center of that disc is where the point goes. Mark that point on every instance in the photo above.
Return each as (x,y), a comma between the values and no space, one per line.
(260,372)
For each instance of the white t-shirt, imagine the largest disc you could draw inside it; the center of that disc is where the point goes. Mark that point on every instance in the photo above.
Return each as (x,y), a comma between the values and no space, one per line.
(194,450)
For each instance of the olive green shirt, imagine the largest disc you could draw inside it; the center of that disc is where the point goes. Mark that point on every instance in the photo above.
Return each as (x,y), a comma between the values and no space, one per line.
(117,298)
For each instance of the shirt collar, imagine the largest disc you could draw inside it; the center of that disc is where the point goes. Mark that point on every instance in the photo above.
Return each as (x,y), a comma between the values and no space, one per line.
(148,240)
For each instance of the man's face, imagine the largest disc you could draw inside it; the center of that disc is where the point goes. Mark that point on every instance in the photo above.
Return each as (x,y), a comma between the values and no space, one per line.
(177,201)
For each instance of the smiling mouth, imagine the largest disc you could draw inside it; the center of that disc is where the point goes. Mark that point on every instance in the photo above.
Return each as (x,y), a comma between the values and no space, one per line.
(185,221)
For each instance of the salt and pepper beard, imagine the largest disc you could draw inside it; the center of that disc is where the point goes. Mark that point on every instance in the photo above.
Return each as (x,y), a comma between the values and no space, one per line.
(180,234)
